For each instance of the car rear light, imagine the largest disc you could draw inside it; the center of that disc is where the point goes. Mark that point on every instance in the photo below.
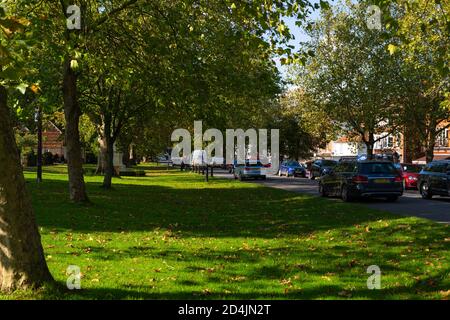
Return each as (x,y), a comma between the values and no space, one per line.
(398,179)
(360,179)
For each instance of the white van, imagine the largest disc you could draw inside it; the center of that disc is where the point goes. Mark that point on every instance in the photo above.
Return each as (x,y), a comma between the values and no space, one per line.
(199,158)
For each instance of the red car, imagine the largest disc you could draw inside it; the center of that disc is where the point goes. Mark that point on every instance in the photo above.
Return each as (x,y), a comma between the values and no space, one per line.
(410,173)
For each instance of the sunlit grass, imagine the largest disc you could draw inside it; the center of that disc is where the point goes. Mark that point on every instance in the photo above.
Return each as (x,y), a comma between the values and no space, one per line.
(172,235)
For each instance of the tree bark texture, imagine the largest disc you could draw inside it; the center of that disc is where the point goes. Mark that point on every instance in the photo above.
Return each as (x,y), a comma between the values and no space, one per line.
(22,262)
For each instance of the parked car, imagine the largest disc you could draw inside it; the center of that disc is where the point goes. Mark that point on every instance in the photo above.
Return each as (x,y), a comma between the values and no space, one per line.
(349,158)
(163,158)
(355,179)
(217,162)
(251,169)
(291,168)
(184,161)
(410,173)
(434,179)
(320,167)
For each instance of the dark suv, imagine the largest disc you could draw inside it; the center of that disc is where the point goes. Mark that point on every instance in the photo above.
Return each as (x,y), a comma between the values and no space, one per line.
(353,179)
(434,179)
(320,167)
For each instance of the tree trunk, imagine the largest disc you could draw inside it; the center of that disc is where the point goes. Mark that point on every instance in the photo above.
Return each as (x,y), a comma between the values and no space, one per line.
(107,150)
(72,114)
(429,152)
(131,161)
(431,140)
(102,155)
(408,141)
(22,262)
(109,170)
(369,145)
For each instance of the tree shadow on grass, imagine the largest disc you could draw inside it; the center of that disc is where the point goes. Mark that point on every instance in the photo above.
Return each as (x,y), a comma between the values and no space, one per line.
(203,212)
(224,211)
(417,290)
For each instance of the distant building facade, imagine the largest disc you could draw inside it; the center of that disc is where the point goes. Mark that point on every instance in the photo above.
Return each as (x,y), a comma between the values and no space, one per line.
(53,140)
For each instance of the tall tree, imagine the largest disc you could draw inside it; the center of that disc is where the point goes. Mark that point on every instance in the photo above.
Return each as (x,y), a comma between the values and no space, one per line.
(22,262)
(304,126)
(353,76)
(420,33)
(91,20)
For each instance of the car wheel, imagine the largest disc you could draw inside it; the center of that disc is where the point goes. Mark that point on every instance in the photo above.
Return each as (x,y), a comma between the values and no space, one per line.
(322,191)
(235,177)
(312,176)
(392,198)
(345,195)
(279,173)
(425,191)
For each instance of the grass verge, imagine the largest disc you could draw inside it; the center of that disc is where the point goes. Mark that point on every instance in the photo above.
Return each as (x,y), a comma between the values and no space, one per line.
(170,235)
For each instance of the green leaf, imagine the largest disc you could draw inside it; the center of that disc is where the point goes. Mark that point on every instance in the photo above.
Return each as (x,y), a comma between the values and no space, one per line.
(22,87)
(73,64)
(324,5)
(392,48)
(10,73)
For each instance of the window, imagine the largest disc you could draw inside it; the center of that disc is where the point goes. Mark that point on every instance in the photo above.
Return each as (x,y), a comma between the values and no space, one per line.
(439,167)
(412,168)
(385,143)
(329,162)
(250,163)
(349,167)
(378,168)
(442,138)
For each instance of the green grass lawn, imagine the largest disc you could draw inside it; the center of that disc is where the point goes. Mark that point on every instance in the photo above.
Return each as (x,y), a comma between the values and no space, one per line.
(171,235)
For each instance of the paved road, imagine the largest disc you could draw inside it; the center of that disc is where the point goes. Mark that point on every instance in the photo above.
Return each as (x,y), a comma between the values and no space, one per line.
(410,204)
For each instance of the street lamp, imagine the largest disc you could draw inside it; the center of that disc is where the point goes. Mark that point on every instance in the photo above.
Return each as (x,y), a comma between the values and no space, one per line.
(38,120)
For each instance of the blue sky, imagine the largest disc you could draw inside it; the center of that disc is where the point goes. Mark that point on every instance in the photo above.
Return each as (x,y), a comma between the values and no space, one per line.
(299,36)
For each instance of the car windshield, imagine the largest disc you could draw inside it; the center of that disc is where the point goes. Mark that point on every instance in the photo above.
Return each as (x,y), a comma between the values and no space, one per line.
(411,168)
(292,164)
(347,167)
(378,168)
(328,163)
(253,164)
